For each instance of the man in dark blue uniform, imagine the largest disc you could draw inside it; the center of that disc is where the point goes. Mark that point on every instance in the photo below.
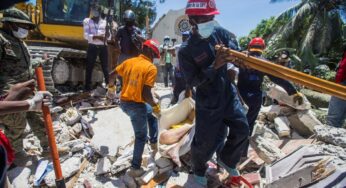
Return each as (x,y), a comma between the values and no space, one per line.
(250,83)
(217,105)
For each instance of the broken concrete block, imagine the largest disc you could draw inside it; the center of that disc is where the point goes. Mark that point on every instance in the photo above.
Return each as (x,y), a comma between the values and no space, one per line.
(266,149)
(331,135)
(109,123)
(149,175)
(300,168)
(121,164)
(103,166)
(68,167)
(317,99)
(78,147)
(304,122)
(263,131)
(282,126)
(71,143)
(279,94)
(64,134)
(165,169)
(19,177)
(163,162)
(76,129)
(71,116)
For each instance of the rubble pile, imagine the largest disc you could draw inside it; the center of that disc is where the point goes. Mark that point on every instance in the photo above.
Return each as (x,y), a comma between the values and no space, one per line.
(289,146)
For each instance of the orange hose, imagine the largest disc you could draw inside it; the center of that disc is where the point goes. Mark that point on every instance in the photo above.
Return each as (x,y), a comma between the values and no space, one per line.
(49,127)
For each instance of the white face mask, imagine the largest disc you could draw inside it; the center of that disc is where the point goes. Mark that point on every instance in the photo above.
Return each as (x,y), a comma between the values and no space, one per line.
(207,28)
(21,33)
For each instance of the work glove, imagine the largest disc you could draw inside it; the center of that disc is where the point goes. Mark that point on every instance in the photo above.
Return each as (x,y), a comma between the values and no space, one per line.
(298,98)
(111,92)
(157,110)
(41,98)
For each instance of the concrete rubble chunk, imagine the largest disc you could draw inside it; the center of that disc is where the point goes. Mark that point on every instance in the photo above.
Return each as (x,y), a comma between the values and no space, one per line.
(300,168)
(263,131)
(19,177)
(163,162)
(317,99)
(282,126)
(279,94)
(71,116)
(112,129)
(76,129)
(331,135)
(78,147)
(148,175)
(68,167)
(304,122)
(266,149)
(103,166)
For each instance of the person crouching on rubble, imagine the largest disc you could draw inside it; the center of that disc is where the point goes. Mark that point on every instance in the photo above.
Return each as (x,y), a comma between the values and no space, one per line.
(139,76)
(250,83)
(217,105)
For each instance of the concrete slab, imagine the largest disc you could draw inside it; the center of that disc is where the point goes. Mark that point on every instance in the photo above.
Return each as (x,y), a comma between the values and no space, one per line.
(112,129)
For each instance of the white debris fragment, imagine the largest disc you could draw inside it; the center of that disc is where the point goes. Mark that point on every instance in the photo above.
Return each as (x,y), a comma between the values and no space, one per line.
(103,166)
(19,177)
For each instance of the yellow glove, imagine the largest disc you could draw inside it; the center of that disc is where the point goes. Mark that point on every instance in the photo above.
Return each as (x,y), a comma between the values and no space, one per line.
(111,92)
(157,110)
(298,98)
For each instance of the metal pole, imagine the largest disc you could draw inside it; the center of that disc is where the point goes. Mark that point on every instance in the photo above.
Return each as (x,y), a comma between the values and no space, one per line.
(59,179)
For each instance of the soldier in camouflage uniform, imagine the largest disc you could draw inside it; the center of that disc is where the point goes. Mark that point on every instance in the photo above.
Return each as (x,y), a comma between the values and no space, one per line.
(16,66)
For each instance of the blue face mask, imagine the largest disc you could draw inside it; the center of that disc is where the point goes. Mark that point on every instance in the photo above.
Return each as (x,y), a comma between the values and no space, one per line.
(207,28)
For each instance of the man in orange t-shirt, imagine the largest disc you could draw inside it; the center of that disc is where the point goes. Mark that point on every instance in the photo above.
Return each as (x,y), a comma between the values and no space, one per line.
(139,75)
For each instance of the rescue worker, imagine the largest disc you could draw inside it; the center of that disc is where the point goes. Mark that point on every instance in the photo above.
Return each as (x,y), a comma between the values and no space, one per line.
(250,83)
(129,37)
(16,66)
(217,105)
(179,83)
(94,32)
(139,76)
(167,54)
(337,107)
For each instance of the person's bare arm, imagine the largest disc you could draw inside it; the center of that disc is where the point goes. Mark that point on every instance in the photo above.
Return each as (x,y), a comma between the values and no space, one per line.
(112,78)
(148,96)
(8,107)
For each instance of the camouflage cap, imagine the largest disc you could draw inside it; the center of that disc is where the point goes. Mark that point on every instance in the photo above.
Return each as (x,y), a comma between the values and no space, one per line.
(17,16)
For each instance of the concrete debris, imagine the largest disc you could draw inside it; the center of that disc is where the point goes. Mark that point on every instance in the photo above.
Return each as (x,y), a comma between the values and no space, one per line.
(78,147)
(63,135)
(19,177)
(331,135)
(263,131)
(112,129)
(266,150)
(149,175)
(282,126)
(279,94)
(71,116)
(317,99)
(300,168)
(103,166)
(304,122)
(76,129)
(68,167)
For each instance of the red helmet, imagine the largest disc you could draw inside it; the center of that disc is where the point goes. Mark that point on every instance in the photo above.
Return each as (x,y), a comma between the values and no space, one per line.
(201,8)
(257,42)
(154,45)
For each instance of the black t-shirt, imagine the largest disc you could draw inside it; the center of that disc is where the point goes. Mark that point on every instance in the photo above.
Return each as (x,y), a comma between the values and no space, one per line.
(127,44)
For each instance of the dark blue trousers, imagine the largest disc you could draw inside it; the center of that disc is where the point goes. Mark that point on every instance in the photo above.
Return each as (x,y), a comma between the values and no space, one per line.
(223,130)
